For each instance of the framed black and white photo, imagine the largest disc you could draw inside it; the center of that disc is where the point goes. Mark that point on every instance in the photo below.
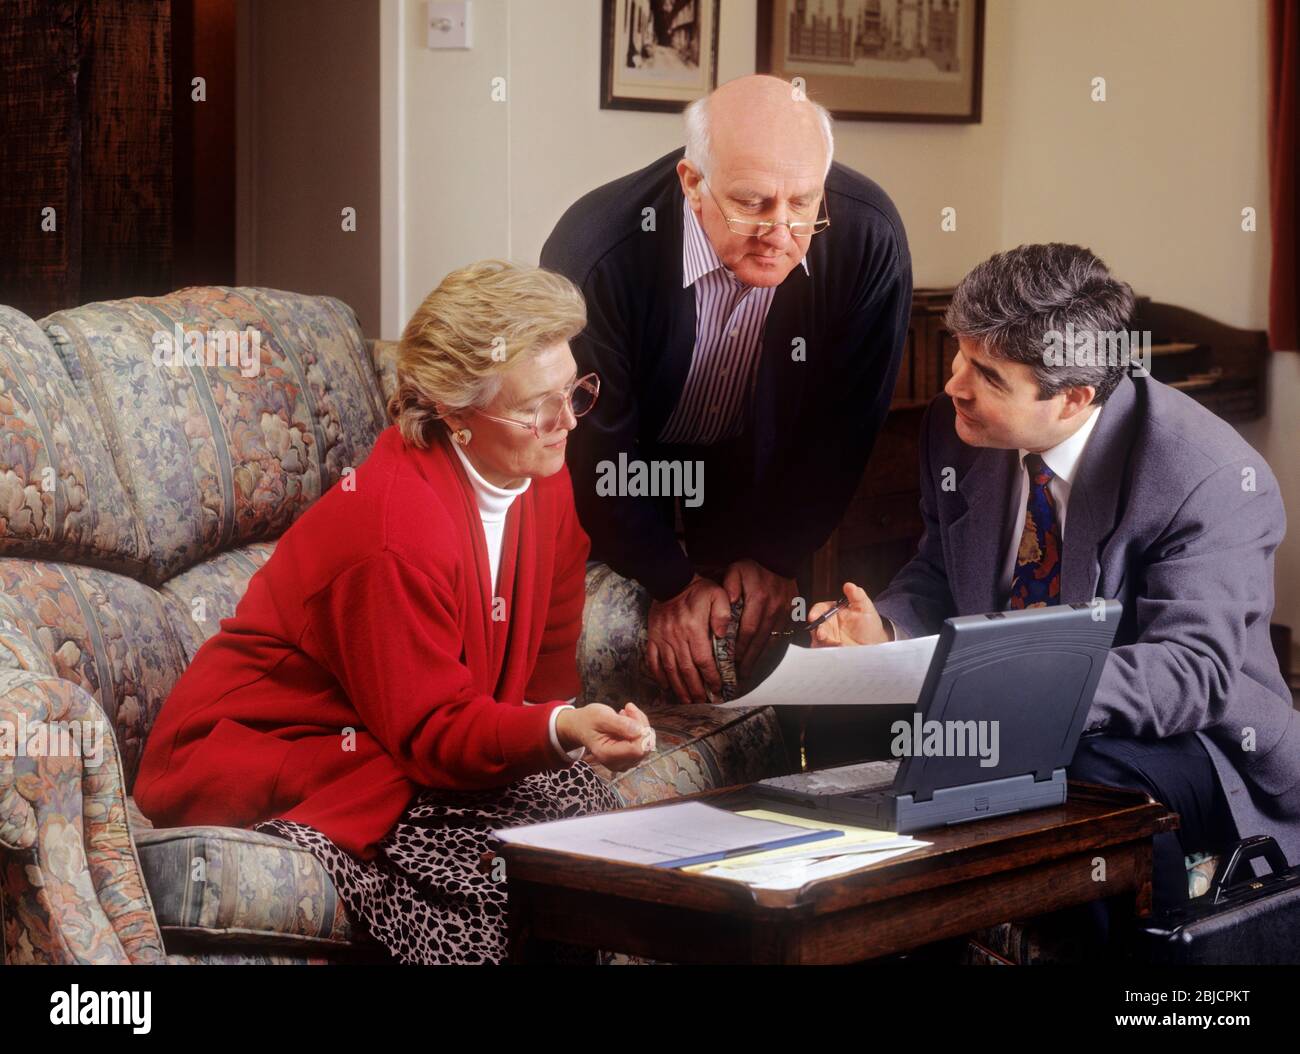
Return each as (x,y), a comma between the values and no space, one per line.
(879,60)
(657,54)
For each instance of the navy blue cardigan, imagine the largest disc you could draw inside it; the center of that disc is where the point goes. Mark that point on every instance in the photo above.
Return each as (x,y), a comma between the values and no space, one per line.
(814,418)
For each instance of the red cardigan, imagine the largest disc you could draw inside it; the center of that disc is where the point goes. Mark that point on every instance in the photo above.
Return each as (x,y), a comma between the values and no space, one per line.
(363,662)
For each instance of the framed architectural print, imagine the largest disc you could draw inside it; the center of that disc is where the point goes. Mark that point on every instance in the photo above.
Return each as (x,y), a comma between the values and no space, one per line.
(657,54)
(879,60)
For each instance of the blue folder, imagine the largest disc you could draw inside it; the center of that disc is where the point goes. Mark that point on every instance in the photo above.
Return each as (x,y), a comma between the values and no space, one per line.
(745,850)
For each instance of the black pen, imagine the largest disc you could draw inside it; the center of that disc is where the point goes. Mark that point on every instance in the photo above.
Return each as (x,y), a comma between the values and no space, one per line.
(842,602)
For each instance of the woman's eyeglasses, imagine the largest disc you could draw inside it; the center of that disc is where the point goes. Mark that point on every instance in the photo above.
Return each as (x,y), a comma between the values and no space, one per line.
(579,396)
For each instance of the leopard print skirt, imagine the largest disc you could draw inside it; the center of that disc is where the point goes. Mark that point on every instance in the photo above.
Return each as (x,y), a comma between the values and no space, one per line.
(427,896)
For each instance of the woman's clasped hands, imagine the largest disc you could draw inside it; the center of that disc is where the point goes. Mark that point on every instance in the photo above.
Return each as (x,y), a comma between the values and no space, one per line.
(615,739)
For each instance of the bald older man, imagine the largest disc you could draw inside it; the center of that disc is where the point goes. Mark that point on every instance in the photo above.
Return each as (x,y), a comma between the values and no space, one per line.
(748,300)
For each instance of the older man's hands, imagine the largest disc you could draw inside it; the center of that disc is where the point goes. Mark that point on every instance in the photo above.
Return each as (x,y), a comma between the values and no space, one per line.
(678,649)
(768,601)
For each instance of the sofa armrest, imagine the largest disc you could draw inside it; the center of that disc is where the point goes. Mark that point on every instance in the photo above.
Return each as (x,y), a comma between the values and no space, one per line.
(383,358)
(71,887)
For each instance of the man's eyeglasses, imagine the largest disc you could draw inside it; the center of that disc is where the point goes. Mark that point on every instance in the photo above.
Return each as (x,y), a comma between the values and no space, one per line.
(579,396)
(761,228)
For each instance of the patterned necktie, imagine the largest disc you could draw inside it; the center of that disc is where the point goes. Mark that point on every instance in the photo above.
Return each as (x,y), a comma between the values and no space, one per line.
(1037,579)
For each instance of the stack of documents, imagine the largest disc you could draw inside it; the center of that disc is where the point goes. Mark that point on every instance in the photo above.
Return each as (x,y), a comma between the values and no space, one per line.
(764,849)
(794,866)
(667,835)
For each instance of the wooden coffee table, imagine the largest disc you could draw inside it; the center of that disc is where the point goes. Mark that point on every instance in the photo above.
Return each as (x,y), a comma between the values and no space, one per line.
(972,875)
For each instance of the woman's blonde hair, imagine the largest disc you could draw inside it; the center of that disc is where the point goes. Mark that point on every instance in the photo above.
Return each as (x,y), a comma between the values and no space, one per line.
(468,331)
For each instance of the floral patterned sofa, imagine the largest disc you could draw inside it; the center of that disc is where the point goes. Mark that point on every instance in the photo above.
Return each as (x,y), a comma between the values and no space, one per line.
(139,492)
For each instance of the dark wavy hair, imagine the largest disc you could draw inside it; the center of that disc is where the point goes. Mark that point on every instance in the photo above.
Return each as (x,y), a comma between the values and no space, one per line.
(1011,302)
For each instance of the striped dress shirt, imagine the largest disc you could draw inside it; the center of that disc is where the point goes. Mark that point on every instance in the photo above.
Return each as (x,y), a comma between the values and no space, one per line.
(729,319)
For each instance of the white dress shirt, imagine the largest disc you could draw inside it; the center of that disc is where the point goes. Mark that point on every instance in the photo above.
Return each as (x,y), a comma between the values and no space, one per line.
(1063,460)
(493,504)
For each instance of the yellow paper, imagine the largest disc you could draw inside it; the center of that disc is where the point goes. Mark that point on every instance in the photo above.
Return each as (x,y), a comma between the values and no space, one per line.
(865,839)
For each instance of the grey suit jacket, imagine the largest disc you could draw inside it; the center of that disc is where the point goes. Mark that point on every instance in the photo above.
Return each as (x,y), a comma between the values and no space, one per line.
(1173,514)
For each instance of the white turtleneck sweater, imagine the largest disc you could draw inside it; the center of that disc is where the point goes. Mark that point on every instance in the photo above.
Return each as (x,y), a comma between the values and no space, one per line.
(493,504)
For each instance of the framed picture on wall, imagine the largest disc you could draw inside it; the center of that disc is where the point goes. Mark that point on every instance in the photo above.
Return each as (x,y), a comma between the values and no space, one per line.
(879,60)
(657,54)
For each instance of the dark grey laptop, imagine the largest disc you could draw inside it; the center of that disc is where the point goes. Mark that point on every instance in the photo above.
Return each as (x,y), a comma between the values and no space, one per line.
(997,722)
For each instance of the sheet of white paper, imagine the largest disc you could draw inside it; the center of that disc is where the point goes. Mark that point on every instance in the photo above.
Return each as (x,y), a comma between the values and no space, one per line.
(878,674)
(791,874)
(651,836)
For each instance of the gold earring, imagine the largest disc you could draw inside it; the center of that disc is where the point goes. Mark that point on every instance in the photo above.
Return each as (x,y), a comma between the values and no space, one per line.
(462,436)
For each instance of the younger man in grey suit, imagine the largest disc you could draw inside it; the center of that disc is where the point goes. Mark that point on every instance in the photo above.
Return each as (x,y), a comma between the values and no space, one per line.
(1051,478)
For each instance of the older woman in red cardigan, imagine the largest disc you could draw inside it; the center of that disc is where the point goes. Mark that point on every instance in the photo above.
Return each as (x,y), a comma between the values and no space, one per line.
(399,677)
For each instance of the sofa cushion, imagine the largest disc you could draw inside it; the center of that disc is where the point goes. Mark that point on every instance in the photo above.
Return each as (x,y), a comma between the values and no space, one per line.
(60,498)
(123,642)
(227,885)
(699,748)
(107,633)
(198,599)
(612,643)
(244,958)
(220,444)
(17,650)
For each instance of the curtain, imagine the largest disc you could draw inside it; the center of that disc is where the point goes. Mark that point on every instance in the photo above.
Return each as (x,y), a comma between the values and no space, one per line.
(1283,171)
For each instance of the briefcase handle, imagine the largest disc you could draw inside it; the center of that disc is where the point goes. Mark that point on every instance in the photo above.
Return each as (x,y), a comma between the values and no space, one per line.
(1223,887)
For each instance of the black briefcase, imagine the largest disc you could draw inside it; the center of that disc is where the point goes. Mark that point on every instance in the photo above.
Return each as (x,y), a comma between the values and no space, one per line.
(1244,920)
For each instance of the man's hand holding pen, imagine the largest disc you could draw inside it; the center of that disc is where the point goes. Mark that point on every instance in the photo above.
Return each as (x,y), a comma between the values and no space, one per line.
(857,622)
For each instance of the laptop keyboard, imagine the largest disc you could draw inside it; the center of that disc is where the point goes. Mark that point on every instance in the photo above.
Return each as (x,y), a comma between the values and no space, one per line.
(866,776)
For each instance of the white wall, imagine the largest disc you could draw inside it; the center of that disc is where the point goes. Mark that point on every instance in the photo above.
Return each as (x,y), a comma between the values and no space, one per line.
(1153,180)
(490,179)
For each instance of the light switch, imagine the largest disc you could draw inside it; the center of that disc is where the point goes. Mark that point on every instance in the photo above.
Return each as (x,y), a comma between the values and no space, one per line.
(449,24)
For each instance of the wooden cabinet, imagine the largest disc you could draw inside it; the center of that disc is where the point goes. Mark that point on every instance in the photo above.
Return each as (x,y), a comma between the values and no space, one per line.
(114,181)
(882,524)
(86,151)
